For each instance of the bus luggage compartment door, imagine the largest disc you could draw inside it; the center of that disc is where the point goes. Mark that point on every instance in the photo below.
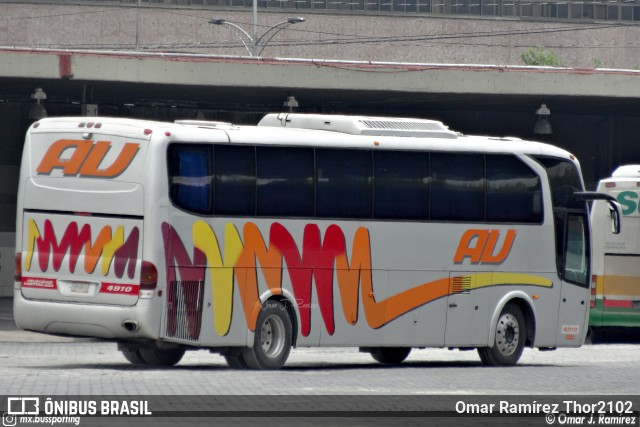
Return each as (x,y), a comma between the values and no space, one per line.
(467,312)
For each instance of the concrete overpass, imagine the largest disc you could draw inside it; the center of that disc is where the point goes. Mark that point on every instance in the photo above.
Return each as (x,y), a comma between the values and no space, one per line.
(470,98)
(595,113)
(249,85)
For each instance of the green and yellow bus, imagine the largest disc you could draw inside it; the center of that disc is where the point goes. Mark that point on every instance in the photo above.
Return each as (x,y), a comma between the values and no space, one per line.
(615,283)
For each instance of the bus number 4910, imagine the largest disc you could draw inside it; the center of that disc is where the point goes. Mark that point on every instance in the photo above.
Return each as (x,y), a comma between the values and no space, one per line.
(118,289)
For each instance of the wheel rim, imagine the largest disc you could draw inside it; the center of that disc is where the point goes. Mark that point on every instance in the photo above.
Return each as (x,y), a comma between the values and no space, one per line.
(272,336)
(507,334)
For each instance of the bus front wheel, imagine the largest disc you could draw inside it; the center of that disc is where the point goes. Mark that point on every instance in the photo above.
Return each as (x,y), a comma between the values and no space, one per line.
(234,359)
(272,338)
(509,340)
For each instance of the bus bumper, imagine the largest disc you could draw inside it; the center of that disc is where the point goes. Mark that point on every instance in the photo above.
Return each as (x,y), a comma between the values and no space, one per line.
(86,320)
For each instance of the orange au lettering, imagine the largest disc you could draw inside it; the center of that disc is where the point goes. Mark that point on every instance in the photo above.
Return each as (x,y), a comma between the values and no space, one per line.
(480,247)
(86,158)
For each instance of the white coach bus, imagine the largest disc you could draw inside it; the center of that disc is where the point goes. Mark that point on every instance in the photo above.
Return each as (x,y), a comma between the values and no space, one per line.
(306,230)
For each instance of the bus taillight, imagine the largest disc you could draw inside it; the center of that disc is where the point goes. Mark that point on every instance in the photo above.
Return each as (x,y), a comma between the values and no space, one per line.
(17,271)
(148,279)
(594,281)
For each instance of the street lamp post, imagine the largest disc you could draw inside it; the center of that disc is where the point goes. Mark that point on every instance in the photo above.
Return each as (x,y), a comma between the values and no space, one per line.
(138,26)
(254,44)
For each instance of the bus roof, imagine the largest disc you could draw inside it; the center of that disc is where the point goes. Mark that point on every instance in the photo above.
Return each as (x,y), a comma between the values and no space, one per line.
(627,171)
(310,129)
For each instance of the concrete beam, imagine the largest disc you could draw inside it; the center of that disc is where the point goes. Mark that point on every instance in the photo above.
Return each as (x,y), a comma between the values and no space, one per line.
(205,70)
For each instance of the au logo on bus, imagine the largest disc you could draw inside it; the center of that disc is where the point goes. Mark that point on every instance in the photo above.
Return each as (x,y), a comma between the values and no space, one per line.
(481,247)
(86,158)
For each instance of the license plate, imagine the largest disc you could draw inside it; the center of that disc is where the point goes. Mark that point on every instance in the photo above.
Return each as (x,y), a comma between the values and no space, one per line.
(79,288)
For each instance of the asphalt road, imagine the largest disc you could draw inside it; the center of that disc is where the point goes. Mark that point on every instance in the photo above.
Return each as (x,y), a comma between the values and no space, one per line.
(331,386)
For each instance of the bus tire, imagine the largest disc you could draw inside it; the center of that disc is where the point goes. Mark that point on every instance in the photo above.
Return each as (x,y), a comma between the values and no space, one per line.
(133,356)
(161,357)
(390,355)
(236,361)
(272,338)
(509,339)
(596,336)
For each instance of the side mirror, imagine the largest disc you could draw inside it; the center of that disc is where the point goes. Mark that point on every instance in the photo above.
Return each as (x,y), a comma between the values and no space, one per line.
(614,212)
(614,206)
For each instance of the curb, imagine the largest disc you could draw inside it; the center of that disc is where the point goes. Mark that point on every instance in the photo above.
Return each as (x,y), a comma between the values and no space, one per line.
(20,336)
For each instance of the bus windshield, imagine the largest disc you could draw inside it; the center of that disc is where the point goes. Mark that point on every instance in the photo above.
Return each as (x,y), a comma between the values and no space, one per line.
(570,218)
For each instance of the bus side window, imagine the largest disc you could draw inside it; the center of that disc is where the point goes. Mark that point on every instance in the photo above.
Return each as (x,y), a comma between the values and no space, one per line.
(190,177)
(457,192)
(401,185)
(235,188)
(343,183)
(514,192)
(577,256)
(285,181)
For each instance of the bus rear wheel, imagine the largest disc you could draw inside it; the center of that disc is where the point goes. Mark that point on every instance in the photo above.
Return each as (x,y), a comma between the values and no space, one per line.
(161,357)
(133,356)
(272,338)
(509,339)
(150,354)
(390,355)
